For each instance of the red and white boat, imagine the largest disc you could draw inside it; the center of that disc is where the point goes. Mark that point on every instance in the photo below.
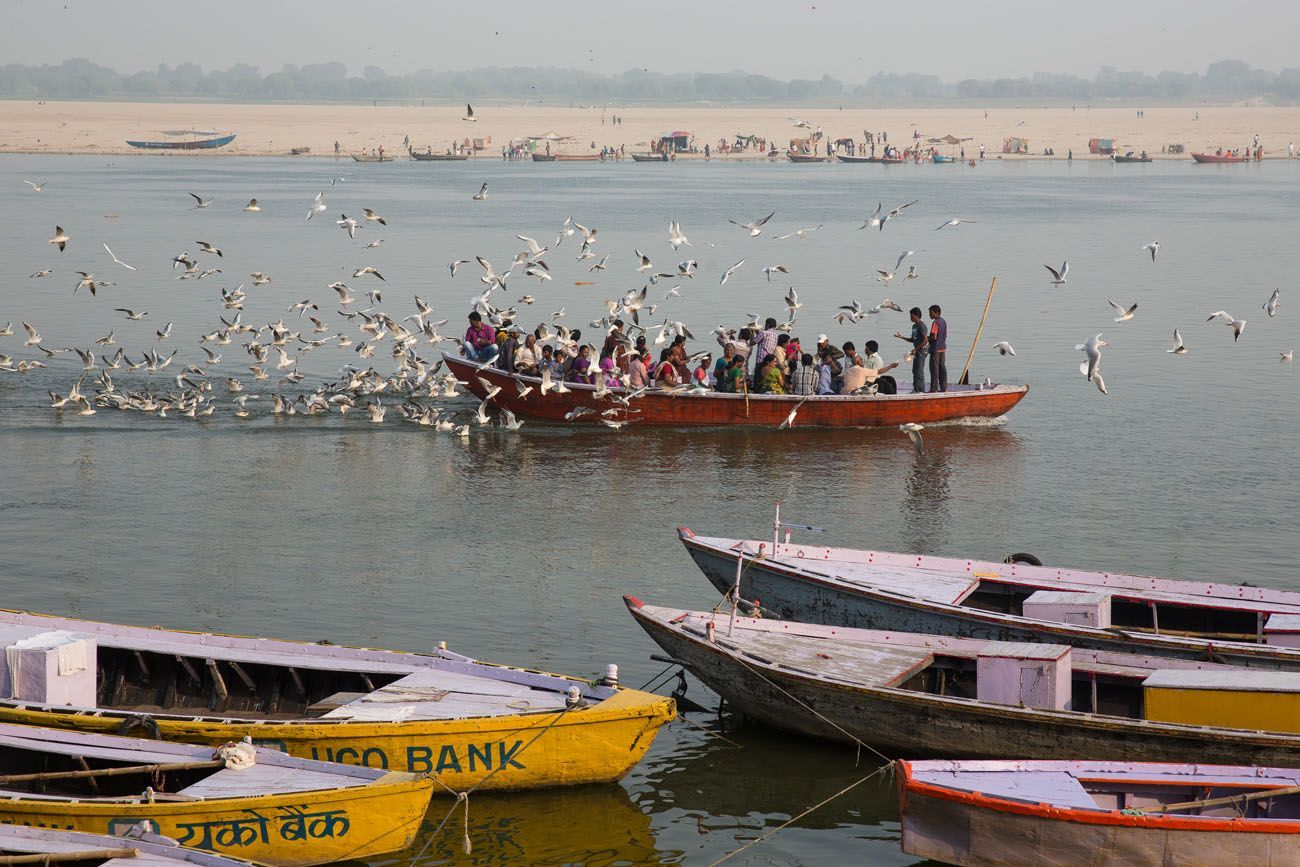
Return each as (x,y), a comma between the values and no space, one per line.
(700,407)
(1082,813)
(1219,158)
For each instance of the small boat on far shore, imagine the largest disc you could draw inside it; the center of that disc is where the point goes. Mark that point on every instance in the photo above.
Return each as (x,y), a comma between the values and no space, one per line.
(649,158)
(1130,158)
(941,158)
(184,144)
(430,156)
(965,812)
(845,158)
(578,158)
(372,158)
(1219,158)
(807,158)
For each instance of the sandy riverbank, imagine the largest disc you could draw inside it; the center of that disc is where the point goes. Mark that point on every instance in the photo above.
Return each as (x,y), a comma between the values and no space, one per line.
(103,127)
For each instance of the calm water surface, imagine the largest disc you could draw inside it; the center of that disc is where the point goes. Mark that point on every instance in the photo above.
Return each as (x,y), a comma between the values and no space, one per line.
(518,547)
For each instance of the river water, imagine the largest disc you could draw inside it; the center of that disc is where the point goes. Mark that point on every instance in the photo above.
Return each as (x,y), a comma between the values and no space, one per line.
(517,547)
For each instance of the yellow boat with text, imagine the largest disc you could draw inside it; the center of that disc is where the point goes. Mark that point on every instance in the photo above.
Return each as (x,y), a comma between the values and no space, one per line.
(467,724)
(242,801)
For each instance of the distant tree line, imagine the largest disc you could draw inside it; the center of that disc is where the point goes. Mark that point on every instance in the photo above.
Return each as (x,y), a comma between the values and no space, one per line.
(1226,80)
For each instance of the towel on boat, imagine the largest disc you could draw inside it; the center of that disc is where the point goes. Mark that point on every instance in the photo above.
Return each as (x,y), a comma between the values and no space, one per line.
(237,756)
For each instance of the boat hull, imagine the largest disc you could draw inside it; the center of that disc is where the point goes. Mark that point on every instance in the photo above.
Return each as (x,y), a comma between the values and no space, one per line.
(800,594)
(845,158)
(807,158)
(971,830)
(598,744)
(21,839)
(1219,158)
(203,144)
(716,409)
(911,724)
(437,158)
(649,158)
(364,158)
(1119,159)
(288,830)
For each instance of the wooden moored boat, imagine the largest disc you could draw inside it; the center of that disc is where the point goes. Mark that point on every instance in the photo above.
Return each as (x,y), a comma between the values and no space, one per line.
(372,158)
(1219,158)
(300,151)
(942,158)
(1129,158)
(467,722)
(138,849)
(253,803)
(915,695)
(845,158)
(650,158)
(689,407)
(807,158)
(579,158)
(1253,627)
(544,158)
(429,156)
(184,144)
(1083,813)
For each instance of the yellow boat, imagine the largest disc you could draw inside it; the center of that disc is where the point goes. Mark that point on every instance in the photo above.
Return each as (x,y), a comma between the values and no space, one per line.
(469,724)
(242,801)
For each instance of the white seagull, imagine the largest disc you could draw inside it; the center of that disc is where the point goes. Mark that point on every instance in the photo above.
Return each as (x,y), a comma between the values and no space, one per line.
(1179,348)
(1058,277)
(1271,304)
(117,260)
(1092,348)
(1004,348)
(726,275)
(1152,248)
(913,432)
(482,193)
(60,238)
(317,206)
(1123,314)
(955,221)
(755,228)
(36,188)
(1237,325)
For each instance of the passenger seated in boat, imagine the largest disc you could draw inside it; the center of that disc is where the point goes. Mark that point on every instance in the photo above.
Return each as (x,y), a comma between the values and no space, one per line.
(734,377)
(720,368)
(608,373)
(560,364)
(547,362)
(480,339)
(700,375)
(826,372)
(666,374)
(859,379)
(528,357)
(613,339)
(677,352)
(769,379)
(581,370)
(638,375)
(804,379)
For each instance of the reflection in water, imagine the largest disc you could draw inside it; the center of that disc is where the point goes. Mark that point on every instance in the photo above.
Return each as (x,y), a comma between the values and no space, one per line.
(597,826)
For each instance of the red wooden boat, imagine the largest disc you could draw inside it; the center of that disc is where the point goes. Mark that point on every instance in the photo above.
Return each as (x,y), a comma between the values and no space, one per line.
(1219,158)
(658,407)
(807,158)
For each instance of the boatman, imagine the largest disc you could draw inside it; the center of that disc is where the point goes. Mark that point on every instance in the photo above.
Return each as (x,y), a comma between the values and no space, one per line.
(917,338)
(938,346)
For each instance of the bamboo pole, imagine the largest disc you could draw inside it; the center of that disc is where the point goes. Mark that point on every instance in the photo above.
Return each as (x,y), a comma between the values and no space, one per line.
(1224,801)
(110,772)
(965,371)
(69,857)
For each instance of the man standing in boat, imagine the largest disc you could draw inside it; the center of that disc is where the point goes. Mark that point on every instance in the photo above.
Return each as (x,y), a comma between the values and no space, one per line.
(918,339)
(938,346)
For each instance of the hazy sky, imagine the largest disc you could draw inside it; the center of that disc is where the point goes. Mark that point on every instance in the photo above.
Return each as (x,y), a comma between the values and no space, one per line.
(849,40)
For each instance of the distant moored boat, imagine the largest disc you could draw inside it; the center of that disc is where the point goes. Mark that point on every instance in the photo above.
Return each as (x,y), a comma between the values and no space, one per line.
(1219,158)
(181,144)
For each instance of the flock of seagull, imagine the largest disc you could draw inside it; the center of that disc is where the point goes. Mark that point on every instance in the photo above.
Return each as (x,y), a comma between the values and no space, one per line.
(277,349)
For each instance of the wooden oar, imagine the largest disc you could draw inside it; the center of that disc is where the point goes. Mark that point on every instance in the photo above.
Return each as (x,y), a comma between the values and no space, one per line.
(70,857)
(110,772)
(965,371)
(1224,801)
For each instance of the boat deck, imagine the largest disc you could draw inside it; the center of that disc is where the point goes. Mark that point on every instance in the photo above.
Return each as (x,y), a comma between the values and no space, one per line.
(951,581)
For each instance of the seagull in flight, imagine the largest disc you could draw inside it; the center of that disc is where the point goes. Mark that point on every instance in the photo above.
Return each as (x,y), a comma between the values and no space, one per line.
(60,238)
(482,193)
(775,269)
(252,206)
(200,201)
(954,222)
(1237,325)
(372,217)
(755,228)
(675,236)
(1004,348)
(1092,348)
(726,275)
(205,247)
(789,419)
(913,432)
(469,114)
(799,124)
(318,205)
(1152,248)
(347,224)
(1124,313)
(1179,348)
(800,233)
(1058,277)
(131,314)
(1271,304)
(117,260)
(36,188)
